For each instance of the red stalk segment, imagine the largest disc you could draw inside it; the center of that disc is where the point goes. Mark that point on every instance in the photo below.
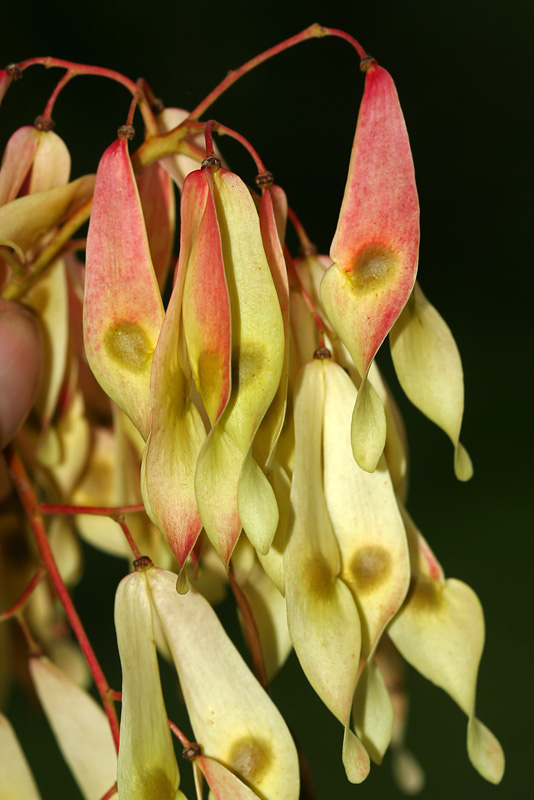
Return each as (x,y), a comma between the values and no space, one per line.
(29,501)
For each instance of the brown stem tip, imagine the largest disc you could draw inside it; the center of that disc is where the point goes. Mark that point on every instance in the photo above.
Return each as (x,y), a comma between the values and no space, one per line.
(15,71)
(126,132)
(264,179)
(322,352)
(211,162)
(366,63)
(144,562)
(44,123)
(191,752)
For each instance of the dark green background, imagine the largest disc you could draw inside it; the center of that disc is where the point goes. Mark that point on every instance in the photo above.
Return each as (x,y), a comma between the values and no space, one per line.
(464,75)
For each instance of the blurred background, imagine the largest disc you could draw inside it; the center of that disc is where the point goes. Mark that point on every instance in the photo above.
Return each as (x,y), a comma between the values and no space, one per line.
(463,71)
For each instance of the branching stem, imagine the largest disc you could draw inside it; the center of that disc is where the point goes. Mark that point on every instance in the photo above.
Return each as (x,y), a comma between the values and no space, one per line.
(29,501)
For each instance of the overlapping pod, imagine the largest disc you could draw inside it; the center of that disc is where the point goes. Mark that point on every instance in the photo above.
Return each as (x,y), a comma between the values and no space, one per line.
(24,220)
(123,310)
(233,719)
(231,489)
(159,210)
(80,727)
(375,248)
(147,764)
(16,778)
(323,620)
(440,632)
(429,369)
(177,432)
(374,555)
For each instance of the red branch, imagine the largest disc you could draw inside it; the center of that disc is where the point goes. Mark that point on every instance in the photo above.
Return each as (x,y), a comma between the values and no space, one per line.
(31,507)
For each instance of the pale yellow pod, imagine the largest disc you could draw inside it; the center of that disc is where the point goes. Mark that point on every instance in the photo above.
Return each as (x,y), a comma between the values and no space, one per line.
(429,369)
(233,719)
(51,163)
(322,616)
(365,517)
(440,632)
(16,779)
(147,766)
(80,726)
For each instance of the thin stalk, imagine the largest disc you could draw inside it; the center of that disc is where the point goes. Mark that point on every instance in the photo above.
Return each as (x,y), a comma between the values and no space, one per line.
(129,538)
(29,501)
(86,69)
(166,144)
(251,631)
(68,76)
(53,249)
(306,297)
(17,607)
(314,31)
(100,511)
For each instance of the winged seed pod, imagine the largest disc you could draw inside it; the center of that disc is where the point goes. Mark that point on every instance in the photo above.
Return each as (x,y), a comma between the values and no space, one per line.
(177,433)
(156,192)
(440,632)
(233,719)
(231,489)
(123,311)
(147,766)
(16,778)
(80,727)
(374,250)
(429,369)
(322,617)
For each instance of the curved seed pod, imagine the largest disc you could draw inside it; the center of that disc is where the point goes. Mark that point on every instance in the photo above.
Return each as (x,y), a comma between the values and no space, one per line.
(147,766)
(26,219)
(16,778)
(406,769)
(16,161)
(177,433)
(51,163)
(206,305)
(231,489)
(269,611)
(365,516)
(123,311)
(179,166)
(224,784)
(322,616)
(48,298)
(273,216)
(440,632)
(233,719)
(64,448)
(159,210)
(80,726)
(273,561)
(374,250)
(372,711)
(429,369)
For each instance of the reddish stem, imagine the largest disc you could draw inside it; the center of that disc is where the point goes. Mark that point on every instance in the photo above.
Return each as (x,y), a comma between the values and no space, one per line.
(251,631)
(68,76)
(110,792)
(29,501)
(17,607)
(86,69)
(314,31)
(101,511)
(178,733)
(307,247)
(307,299)
(208,137)
(224,131)
(129,538)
